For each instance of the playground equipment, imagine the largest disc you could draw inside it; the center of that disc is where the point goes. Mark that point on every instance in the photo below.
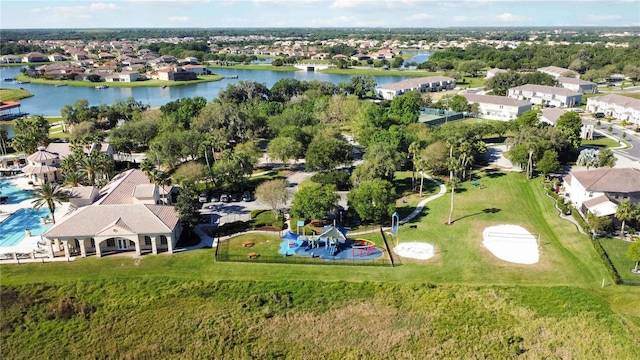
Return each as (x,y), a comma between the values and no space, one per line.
(395,221)
(362,247)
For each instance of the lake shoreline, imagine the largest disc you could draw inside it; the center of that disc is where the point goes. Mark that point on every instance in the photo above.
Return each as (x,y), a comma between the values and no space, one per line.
(135,84)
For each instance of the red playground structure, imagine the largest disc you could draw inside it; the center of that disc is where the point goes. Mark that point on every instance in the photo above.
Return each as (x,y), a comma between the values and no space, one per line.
(362,247)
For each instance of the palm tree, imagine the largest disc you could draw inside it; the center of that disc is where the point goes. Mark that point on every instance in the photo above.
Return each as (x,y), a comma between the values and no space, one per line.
(49,194)
(161,179)
(73,178)
(624,212)
(452,183)
(413,150)
(422,165)
(147,167)
(90,165)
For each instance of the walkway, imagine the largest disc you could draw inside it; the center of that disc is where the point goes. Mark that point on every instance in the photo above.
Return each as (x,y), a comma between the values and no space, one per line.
(422,203)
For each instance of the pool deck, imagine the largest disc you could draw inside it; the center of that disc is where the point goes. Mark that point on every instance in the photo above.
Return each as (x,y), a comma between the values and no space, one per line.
(6,210)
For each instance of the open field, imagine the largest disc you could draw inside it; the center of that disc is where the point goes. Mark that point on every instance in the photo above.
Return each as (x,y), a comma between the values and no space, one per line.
(14,94)
(461,301)
(135,84)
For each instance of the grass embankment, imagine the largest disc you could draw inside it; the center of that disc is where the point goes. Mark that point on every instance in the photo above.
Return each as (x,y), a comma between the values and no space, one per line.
(267,67)
(14,94)
(602,142)
(177,319)
(135,84)
(187,305)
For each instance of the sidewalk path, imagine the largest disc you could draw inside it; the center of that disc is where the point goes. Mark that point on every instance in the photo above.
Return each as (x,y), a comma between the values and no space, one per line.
(421,204)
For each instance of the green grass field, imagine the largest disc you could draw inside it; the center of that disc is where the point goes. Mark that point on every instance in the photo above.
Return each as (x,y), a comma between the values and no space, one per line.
(135,84)
(462,301)
(14,94)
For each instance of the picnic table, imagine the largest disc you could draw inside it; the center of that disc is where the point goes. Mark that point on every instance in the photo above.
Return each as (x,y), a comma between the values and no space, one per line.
(252,255)
(248,243)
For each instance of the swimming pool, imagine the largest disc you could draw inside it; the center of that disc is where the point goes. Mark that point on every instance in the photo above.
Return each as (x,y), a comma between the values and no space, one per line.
(15,195)
(12,228)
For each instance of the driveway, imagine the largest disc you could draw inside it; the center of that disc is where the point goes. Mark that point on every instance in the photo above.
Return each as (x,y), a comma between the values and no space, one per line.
(632,137)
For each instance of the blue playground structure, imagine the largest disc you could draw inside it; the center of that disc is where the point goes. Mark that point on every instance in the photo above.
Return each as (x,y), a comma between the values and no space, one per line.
(330,244)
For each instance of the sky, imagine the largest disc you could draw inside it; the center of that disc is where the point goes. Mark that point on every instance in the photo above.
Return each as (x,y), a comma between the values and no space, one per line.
(26,14)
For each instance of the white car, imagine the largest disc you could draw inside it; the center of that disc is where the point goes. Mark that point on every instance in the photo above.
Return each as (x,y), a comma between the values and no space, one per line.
(203,198)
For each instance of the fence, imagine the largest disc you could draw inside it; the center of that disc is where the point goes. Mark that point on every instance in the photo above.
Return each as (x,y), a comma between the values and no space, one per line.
(222,255)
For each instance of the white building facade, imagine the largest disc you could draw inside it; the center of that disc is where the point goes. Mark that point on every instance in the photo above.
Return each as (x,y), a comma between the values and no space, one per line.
(616,106)
(546,95)
(498,107)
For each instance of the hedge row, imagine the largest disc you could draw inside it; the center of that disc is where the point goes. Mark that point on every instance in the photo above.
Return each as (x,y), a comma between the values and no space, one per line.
(615,276)
(566,209)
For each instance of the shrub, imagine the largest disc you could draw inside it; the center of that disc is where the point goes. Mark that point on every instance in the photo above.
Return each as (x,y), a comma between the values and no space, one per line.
(339,178)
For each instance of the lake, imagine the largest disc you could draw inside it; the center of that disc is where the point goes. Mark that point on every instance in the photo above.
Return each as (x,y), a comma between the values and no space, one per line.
(48,100)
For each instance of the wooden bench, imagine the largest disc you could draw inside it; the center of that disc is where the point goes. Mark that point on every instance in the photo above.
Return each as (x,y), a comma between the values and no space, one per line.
(252,255)
(248,244)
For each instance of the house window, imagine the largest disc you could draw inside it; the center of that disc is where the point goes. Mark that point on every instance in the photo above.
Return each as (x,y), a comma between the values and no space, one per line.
(590,193)
(131,243)
(163,240)
(46,178)
(77,243)
(93,243)
(147,241)
(111,242)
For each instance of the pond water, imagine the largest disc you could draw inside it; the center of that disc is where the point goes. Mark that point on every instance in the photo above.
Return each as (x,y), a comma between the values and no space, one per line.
(48,100)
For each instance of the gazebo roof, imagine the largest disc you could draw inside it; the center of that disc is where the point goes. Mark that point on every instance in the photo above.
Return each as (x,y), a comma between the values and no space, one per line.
(46,169)
(41,155)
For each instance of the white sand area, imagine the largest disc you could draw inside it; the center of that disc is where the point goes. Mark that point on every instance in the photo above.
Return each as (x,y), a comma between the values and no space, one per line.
(415,250)
(512,243)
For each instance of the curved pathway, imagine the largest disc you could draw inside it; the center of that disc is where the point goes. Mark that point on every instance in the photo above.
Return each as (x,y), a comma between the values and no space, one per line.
(422,203)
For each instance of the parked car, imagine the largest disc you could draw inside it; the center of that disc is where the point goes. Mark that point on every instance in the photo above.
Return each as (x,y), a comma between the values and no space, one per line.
(203,198)
(247,196)
(214,198)
(225,198)
(235,197)
(598,115)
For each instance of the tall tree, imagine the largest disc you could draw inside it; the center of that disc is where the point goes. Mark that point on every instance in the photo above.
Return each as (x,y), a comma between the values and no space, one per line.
(187,206)
(373,200)
(606,158)
(633,253)
(570,125)
(49,194)
(314,202)
(30,133)
(284,149)
(549,162)
(274,193)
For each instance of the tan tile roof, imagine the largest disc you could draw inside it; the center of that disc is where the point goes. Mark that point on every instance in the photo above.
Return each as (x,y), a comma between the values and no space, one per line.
(596,201)
(552,114)
(622,180)
(623,101)
(546,90)
(139,218)
(120,189)
(491,99)
(574,81)
(83,192)
(144,191)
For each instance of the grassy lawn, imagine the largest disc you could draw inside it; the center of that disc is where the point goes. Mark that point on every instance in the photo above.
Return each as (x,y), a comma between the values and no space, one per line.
(14,94)
(136,84)
(616,250)
(462,301)
(268,67)
(602,142)
(471,82)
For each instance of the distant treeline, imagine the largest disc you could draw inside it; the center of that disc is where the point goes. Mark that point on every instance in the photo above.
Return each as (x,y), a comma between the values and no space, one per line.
(571,34)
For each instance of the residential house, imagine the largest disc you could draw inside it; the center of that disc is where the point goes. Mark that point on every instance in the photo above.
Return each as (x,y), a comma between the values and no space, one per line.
(493,72)
(127,214)
(80,55)
(557,72)
(10,59)
(616,106)
(340,57)
(578,85)
(34,57)
(359,57)
(498,107)
(57,57)
(189,60)
(551,115)
(320,56)
(63,149)
(546,95)
(384,53)
(42,167)
(106,56)
(600,190)
(198,69)
(176,74)
(167,59)
(424,84)
(125,76)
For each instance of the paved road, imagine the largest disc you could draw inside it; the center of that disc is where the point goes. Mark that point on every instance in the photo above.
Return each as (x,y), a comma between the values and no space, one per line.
(616,133)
